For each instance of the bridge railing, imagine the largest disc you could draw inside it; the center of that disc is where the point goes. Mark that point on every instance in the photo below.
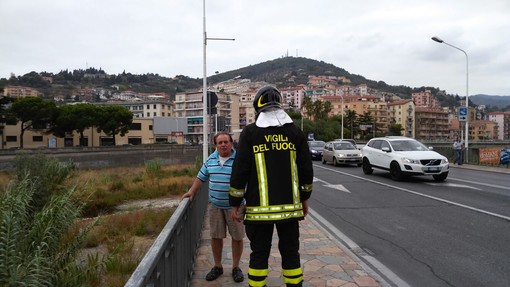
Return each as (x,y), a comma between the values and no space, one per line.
(171,258)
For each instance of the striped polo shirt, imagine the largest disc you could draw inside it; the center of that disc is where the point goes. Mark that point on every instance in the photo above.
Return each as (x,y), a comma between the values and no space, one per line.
(219,178)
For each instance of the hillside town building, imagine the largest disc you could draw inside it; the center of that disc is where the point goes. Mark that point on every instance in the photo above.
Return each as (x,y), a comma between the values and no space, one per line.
(157,119)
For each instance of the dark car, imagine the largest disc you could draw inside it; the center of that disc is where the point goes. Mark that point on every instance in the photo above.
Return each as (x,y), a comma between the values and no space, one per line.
(316,148)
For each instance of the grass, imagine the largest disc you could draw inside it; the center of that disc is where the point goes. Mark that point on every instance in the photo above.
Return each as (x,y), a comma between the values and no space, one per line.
(118,240)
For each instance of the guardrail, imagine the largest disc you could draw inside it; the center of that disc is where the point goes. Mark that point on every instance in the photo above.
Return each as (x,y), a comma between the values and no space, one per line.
(171,258)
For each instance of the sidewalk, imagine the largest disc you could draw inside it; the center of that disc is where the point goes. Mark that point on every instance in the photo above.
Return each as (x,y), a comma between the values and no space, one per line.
(500,169)
(325,262)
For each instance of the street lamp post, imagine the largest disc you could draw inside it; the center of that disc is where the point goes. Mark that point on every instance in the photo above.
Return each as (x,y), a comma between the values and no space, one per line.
(342,117)
(439,40)
(205,149)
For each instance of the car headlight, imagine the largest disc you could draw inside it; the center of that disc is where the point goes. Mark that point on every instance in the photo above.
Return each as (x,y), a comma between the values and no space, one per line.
(410,160)
(341,155)
(314,151)
(444,160)
(360,155)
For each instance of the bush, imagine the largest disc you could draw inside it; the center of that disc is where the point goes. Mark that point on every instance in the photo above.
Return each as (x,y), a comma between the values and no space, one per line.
(39,248)
(46,175)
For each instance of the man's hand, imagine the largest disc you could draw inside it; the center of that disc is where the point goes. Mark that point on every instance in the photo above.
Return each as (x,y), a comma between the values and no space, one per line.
(189,194)
(234,213)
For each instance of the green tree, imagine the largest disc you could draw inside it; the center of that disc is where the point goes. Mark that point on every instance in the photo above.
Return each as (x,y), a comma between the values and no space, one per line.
(33,113)
(317,110)
(350,120)
(395,130)
(6,116)
(368,120)
(70,118)
(308,106)
(113,120)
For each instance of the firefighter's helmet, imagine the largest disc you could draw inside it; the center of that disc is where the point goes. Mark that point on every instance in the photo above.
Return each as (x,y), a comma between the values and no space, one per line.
(267,97)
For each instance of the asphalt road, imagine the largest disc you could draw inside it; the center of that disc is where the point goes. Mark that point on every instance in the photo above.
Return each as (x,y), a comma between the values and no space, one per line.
(454,233)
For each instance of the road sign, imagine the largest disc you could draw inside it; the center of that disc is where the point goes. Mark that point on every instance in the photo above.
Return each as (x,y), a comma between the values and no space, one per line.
(462,114)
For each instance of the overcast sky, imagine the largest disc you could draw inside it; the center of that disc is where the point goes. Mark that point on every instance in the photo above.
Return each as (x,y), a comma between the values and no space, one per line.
(382,40)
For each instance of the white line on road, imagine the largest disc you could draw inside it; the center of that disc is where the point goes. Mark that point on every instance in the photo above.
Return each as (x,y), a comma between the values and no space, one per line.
(421,194)
(451,185)
(333,186)
(479,183)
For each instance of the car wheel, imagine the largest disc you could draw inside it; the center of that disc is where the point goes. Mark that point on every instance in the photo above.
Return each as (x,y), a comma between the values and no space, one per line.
(323,160)
(335,163)
(440,177)
(366,166)
(395,171)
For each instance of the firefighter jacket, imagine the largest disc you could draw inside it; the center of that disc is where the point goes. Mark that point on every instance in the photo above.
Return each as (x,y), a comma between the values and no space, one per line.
(273,172)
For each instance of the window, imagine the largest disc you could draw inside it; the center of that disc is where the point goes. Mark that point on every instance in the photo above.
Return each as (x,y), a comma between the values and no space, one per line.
(385,144)
(135,126)
(154,113)
(37,138)
(154,106)
(150,127)
(68,142)
(148,107)
(135,140)
(11,138)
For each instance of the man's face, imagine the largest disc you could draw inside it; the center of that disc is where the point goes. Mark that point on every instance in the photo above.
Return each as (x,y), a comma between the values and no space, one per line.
(224,145)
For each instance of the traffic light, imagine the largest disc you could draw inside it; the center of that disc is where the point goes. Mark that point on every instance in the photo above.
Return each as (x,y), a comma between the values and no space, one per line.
(212,100)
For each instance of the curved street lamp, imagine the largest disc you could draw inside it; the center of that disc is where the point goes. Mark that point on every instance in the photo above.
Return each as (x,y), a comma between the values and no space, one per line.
(439,40)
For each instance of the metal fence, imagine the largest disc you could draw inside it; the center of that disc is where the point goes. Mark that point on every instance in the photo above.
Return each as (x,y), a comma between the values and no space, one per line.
(170,260)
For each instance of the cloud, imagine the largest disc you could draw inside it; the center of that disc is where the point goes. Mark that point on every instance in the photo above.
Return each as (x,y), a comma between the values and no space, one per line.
(382,40)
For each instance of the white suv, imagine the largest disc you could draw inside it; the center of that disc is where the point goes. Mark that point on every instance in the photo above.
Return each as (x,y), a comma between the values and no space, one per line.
(403,156)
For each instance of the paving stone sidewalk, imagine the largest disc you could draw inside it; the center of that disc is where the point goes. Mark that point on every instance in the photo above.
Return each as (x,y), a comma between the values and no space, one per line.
(323,259)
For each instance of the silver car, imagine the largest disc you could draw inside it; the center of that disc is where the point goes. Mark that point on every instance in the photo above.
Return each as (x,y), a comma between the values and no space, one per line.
(341,152)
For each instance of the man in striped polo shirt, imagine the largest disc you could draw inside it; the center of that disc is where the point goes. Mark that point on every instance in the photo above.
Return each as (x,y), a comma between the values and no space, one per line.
(217,169)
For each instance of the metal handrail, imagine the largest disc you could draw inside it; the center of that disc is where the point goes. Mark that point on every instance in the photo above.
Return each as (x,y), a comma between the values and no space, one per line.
(171,258)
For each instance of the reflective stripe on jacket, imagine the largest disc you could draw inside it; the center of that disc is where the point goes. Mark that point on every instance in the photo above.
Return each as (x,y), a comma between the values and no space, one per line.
(273,172)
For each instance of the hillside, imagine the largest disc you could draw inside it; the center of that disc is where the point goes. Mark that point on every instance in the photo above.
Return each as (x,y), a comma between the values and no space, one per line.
(281,70)
(501,102)
(284,72)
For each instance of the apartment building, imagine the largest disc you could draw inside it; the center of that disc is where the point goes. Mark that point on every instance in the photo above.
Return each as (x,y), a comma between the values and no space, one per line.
(361,104)
(483,130)
(402,112)
(144,109)
(503,121)
(431,124)
(247,113)
(224,117)
(425,99)
(141,132)
(293,96)
(20,91)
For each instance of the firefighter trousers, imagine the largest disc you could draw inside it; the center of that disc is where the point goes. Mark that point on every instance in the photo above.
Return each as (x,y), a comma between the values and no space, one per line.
(260,236)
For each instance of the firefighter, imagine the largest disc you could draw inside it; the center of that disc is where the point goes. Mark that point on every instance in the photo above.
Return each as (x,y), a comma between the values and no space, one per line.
(273,173)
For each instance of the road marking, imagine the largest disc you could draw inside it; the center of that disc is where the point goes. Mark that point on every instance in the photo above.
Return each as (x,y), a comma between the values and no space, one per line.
(333,186)
(480,183)
(507,218)
(451,185)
